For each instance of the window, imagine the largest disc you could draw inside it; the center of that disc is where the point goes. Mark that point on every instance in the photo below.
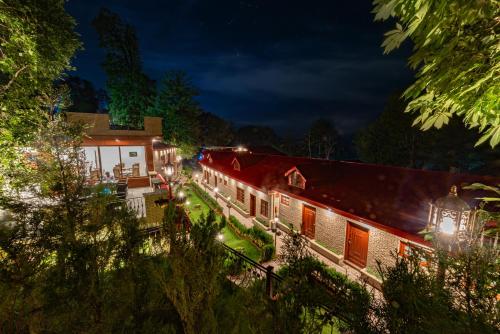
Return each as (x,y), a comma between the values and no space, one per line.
(236,165)
(406,249)
(240,195)
(264,208)
(285,200)
(225,182)
(297,180)
(220,179)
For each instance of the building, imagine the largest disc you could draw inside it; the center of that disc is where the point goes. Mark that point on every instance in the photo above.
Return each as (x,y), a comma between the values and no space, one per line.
(353,213)
(113,152)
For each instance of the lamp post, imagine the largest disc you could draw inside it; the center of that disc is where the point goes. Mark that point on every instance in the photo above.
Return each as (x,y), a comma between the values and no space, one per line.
(229,206)
(169,171)
(274,228)
(216,191)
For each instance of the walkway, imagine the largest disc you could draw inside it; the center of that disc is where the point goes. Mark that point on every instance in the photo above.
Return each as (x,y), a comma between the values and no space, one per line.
(352,273)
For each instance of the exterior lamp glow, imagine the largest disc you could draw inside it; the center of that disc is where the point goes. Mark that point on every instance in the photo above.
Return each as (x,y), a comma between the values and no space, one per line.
(181,194)
(216,190)
(169,169)
(179,158)
(450,217)
(188,202)
(220,237)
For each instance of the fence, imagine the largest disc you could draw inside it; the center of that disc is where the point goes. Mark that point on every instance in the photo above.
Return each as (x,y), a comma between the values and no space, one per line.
(137,205)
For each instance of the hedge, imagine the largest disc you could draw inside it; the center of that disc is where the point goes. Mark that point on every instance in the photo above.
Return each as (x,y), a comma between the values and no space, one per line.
(260,238)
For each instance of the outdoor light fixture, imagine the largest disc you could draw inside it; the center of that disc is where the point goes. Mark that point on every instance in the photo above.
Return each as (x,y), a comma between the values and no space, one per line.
(450,217)
(220,237)
(181,194)
(188,202)
(216,190)
(169,169)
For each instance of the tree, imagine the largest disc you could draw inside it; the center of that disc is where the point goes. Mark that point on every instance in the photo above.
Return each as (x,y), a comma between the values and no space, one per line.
(176,104)
(456,57)
(193,288)
(83,95)
(131,91)
(37,41)
(391,140)
(254,135)
(215,131)
(321,139)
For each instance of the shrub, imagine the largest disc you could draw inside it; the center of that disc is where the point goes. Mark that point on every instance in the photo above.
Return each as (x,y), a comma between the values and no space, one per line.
(260,235)
(260,238)
(236,224)
(267,252)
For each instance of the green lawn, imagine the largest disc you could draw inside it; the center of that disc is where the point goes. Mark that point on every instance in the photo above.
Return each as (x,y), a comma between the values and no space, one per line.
(197,207)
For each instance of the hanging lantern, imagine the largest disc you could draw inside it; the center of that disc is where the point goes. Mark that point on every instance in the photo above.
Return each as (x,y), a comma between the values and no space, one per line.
(450,217)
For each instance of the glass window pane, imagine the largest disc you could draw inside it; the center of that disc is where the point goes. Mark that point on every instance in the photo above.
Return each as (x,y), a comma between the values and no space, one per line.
(134,161)
(110,159)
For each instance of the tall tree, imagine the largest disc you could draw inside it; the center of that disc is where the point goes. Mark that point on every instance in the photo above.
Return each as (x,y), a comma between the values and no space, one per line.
(215,131)
(37,41)
(131,91)
(83,95)
(176,104)
(457,59)
(322,139)
(391,140)
(255,135)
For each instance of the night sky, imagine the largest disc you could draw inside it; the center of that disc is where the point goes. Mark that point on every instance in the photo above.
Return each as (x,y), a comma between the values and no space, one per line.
(269,62)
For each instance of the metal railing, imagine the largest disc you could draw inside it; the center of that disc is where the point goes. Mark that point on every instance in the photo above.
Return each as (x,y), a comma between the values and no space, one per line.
(137,205)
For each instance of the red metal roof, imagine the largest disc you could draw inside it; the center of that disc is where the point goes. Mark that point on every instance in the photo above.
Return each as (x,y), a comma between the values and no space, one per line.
(390,198)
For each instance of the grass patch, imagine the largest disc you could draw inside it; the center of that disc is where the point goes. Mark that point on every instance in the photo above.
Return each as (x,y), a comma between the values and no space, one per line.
(197,207)
(233,241)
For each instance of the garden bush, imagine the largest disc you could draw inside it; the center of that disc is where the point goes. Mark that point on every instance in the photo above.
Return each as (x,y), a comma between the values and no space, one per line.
(259,237)
(268,252)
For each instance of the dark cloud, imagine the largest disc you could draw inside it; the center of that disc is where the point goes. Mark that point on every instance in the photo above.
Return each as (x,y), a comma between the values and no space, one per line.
(276,63)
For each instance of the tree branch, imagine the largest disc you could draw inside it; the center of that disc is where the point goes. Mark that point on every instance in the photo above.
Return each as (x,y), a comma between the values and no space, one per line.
(3,89)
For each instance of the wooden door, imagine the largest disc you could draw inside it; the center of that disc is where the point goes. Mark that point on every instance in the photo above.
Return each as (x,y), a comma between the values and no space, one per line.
(252,205)
(308,221)
(356,245)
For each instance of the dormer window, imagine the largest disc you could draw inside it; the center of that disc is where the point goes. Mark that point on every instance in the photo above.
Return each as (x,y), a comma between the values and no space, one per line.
(236,164)
(295,179)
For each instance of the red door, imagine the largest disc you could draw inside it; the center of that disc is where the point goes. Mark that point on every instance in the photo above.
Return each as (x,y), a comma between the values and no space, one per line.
(252,205)
(356,245)
(308,221)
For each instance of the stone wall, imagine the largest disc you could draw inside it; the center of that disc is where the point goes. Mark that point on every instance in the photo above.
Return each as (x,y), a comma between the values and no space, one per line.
(331,230)
(380,246)
(230,190)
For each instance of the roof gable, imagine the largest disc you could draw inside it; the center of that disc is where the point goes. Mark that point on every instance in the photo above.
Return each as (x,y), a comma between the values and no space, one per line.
(236,164)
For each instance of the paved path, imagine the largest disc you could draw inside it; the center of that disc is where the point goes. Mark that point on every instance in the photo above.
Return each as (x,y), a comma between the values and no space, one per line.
(348,271)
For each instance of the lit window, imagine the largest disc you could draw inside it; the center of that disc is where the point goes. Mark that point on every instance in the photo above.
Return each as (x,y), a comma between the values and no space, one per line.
(236,165)
(285,200)
(240,195)
(406,249)
(296,180)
